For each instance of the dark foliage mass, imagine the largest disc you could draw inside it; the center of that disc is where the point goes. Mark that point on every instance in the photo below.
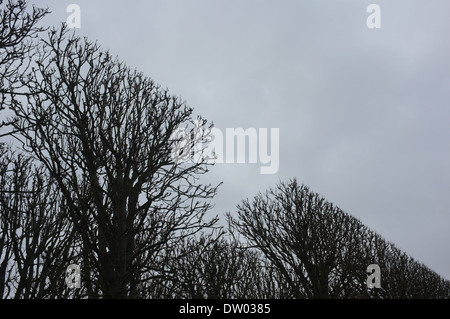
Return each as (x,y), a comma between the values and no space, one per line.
(89,178)
(322,252)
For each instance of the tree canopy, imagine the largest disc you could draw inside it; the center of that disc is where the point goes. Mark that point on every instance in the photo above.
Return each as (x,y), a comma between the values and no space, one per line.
(93,181)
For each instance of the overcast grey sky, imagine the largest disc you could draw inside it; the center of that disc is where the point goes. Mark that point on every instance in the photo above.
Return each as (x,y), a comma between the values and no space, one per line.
(363,113)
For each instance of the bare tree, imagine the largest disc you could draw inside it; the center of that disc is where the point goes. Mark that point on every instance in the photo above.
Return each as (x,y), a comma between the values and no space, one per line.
(18,28)
(105,135)
(402,276)
(213,267)
(36,238)
(322,252)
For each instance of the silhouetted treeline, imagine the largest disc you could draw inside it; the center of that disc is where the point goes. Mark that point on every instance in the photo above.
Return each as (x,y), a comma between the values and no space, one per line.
(89,177)
(322,252)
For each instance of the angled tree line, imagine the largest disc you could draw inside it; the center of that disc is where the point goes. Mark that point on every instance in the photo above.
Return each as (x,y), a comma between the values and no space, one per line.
(87,177)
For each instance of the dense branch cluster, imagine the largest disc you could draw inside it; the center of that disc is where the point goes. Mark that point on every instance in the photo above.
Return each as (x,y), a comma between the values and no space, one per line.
(322,252)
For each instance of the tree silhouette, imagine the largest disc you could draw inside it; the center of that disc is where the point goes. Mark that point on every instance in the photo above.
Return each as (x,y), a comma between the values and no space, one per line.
(104,133)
